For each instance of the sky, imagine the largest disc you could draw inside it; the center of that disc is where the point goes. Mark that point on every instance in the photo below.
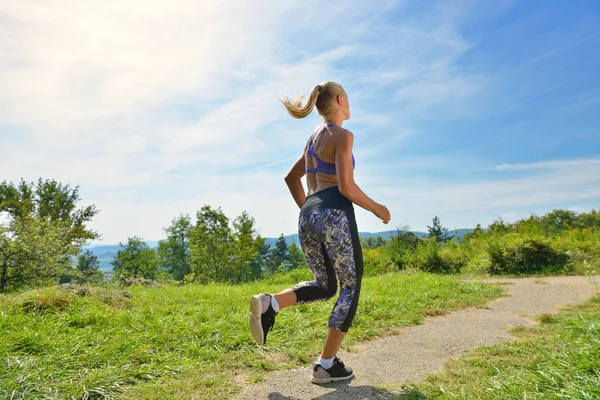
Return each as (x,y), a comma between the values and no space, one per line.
(466,110)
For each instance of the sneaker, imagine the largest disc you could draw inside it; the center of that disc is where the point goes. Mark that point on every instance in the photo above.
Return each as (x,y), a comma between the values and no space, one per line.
(337,372)
(262,317)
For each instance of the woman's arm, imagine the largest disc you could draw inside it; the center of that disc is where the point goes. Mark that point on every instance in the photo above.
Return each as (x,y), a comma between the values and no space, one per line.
(294,181)
(345,174)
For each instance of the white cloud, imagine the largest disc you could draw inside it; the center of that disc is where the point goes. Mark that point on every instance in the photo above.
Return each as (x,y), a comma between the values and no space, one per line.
(157,108)
(482,200)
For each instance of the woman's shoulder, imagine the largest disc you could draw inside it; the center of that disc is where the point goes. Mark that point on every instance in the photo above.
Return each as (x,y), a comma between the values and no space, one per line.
(341,133)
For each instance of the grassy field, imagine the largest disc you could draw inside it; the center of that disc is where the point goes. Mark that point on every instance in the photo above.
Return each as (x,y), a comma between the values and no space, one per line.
(189,341)
(557,359)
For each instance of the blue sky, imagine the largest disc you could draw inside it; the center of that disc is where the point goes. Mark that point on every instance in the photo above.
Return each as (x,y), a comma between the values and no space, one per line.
(468,110)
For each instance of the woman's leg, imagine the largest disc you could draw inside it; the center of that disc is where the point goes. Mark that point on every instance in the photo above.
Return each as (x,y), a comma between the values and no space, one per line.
(286,298)
(332,343)
(263,309)
(343,247)
(324,285)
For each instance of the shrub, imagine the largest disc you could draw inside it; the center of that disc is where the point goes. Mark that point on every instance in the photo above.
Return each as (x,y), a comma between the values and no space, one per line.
(427,258)
(516,254)
(377,261)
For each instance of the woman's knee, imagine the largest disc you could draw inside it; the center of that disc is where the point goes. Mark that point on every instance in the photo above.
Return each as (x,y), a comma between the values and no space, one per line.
(330,291)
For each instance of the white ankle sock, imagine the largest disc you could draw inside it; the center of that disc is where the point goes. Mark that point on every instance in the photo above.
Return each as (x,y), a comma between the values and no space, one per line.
(326,362)
(274,304)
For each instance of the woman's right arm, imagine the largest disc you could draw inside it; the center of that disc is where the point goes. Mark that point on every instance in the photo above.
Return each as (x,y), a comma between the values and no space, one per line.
(345,174)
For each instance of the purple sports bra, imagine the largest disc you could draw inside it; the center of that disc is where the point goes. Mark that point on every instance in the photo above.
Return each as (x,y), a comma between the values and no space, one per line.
(322,167)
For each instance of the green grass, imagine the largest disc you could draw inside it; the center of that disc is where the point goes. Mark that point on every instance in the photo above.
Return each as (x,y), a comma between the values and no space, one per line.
(190,341)
(557,359)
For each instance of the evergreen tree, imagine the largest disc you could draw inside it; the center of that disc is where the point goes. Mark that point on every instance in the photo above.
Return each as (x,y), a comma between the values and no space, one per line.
(438,231)
(278,255)
(88,268)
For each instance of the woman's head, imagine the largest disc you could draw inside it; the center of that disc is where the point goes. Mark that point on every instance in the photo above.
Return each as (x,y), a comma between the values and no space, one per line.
(330,99)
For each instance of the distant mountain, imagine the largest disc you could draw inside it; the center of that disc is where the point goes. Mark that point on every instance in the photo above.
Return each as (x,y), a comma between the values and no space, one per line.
(106,253)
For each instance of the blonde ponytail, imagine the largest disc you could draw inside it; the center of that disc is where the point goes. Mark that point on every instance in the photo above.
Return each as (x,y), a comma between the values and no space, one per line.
(322,97)
(296,109)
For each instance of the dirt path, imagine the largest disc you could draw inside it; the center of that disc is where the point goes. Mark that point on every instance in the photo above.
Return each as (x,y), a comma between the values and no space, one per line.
(382,366)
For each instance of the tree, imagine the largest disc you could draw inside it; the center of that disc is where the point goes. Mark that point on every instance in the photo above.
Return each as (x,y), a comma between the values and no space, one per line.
(210,246)
(31,253)
(438,231)
(296,258)
(278,255)
(262,262)
(135,260)
(559,220)
(41,230)
(246,249)
(88,268)
(174,251)
(589,220)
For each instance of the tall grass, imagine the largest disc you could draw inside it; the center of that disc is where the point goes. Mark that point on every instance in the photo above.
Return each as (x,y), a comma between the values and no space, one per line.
(188,341)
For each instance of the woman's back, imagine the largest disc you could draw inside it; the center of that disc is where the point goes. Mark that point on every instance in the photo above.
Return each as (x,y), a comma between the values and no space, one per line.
(319,154)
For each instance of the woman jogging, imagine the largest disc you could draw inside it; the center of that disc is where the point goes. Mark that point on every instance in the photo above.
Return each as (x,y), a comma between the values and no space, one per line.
(326,226)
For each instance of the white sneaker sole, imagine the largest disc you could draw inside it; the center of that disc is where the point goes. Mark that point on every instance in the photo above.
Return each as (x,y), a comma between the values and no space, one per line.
(256,329)
(329,380)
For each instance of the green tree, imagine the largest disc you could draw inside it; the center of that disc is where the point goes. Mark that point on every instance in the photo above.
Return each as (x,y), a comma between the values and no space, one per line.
(367,242)
(560,220)
(135,260)
(41,230)
(174,251)
(296,257)
(589,220)
(31,253)
(246,249)
(438,231)
(278,255)
(210,246)
(262,262)
(88,268)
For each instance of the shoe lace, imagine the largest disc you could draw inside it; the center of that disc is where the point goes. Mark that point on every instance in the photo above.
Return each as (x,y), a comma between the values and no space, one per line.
(339,361)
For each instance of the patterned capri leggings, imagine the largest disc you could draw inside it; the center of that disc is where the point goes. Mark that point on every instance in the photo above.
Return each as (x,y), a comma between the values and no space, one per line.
(329,238)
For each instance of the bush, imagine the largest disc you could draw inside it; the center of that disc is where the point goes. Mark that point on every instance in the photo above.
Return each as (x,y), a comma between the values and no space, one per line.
(428,258)
(454,256)
(377,261)
(515,254)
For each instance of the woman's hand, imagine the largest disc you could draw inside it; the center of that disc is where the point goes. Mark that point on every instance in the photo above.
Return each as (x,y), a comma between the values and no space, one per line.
(382,213)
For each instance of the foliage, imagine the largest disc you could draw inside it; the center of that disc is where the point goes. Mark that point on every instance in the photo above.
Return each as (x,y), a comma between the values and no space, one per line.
(42,230)
(174,251)
(518,254)
(135,260)
(437,231)
(246,249)
(428,258)
(371,242)
(278,256)
(210,244)
(296,258)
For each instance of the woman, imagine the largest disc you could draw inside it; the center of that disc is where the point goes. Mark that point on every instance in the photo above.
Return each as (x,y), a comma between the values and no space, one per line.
(326,226)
